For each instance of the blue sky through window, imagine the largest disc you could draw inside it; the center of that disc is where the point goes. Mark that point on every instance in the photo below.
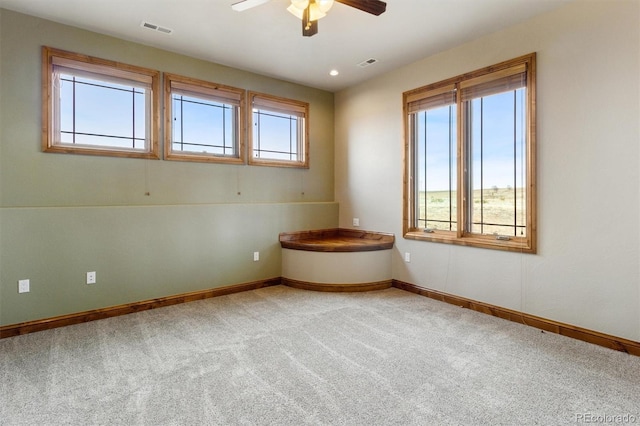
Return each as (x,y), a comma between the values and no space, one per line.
(498,140)
(494,126)
(203,126)
(102,113)
(275,135)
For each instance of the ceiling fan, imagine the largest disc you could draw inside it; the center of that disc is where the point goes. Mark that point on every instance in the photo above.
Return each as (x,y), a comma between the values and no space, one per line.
(309,11)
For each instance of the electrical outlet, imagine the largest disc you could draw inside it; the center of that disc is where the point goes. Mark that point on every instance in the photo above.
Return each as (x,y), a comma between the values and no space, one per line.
(356,221)
(407,257)
(23,286)
(256,256)
(91,277)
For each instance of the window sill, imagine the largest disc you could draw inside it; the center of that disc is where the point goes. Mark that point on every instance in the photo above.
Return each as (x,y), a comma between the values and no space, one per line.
(64,149)
(519,245)
(278,163)
(203,158)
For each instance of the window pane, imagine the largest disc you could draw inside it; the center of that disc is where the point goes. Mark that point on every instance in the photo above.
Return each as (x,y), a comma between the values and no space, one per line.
(276,135)
(496,164)
(203,126)
(111,142)
(435,134)
(98,113)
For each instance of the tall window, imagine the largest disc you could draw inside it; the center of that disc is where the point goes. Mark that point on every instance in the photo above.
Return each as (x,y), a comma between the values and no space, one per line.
(95,106)
(203,121)
(470,160)
(279,131)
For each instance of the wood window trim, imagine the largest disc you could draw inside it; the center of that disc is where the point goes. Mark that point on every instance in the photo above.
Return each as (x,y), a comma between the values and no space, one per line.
(526,244)
(279,104)
(108,69)
(215,90)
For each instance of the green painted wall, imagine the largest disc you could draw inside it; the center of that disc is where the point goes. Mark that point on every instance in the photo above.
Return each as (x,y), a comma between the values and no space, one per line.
(63,215)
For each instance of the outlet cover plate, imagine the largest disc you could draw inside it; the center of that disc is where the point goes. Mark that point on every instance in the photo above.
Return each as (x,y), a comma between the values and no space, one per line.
(23,286)
(91,277)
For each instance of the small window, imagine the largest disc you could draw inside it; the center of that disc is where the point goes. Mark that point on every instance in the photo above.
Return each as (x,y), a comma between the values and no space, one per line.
(203,121)
(99,107)
(470,159)
(279,131)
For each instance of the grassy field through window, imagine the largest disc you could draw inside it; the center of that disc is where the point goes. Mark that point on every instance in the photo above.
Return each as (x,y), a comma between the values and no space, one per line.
(495,211)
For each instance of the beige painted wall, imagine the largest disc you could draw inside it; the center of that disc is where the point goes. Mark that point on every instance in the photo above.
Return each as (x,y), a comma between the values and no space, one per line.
(63,215)
(586,272)
(360,267)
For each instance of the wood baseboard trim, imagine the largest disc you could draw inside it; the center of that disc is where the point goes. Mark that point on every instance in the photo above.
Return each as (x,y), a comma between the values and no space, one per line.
(129,308)
(612,342)
(305,285)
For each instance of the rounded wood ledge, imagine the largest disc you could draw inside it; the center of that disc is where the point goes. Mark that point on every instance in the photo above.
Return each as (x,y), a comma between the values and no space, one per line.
(337,260)
(337,240)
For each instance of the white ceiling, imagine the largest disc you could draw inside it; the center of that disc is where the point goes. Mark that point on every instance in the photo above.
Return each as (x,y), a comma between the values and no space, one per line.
(267,39)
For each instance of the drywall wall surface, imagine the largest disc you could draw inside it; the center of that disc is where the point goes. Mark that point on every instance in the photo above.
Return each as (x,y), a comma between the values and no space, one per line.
(64,215)
(140,252)
(360,267)
(586,271)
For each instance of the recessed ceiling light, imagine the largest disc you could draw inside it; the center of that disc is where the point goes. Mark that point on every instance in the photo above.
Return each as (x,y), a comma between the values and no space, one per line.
(333,73)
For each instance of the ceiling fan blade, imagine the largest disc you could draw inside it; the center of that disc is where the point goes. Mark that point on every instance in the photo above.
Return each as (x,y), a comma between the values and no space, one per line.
(247,4)
(309,27)
(375,7)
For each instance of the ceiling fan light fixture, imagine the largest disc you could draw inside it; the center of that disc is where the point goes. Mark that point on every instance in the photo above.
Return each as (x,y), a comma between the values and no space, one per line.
(300,4)
(315,12)
(324,5)
(310,11)
(295,11)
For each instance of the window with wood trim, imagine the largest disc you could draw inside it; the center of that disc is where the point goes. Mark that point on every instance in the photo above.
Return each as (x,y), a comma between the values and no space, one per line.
(99,107)
(203,121)
(279,131)
(470,159)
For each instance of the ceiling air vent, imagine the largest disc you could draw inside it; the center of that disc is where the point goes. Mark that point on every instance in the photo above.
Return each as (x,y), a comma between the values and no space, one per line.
(368,62)
(155,27)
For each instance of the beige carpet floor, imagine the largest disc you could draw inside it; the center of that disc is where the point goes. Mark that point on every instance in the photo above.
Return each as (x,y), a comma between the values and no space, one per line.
(281,356)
